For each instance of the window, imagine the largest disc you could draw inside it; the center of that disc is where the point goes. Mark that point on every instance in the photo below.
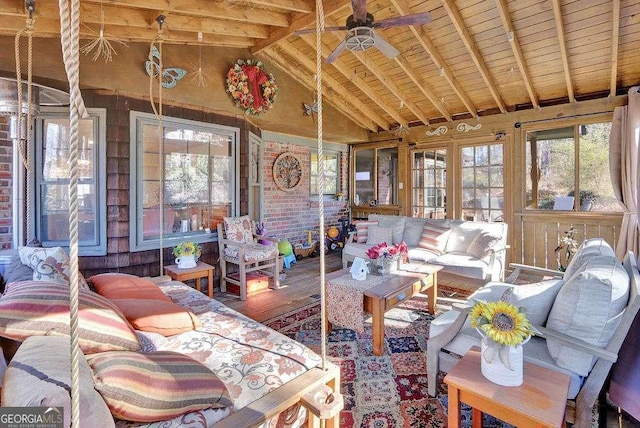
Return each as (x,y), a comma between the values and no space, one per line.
(482,182)
(331,173)
(52,178)
(429,183)
(563,162)
(376,176)
(197,178)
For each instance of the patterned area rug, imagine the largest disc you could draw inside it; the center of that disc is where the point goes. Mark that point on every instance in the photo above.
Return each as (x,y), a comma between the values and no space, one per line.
(389,391)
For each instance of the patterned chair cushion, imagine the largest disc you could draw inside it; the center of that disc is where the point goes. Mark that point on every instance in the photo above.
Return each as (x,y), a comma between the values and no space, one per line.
(238,229)
(252,252)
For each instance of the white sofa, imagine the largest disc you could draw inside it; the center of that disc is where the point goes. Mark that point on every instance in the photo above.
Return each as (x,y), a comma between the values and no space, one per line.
(471,249)
(582,315)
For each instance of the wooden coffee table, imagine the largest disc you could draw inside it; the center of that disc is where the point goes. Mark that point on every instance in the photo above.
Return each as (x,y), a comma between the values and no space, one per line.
(539,402)
(401,285)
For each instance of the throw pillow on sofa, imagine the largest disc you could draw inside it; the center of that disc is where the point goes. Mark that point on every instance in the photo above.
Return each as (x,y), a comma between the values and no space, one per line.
(39,375)
(156,386)
(378,235)
(362,230)
(38,308)
(482,244)
(434,237)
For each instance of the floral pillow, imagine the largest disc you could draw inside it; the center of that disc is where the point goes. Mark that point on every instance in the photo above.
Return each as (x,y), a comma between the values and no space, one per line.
(49,264)
(238,229)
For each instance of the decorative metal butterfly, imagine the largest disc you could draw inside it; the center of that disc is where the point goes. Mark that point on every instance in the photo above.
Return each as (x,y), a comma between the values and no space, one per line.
(309,109)
(170,76)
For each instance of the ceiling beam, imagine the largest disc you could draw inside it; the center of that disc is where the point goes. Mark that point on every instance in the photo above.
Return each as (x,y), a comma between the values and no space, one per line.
(615,39)
(503,10)
(340,65)
(202,8)
(336,86)
(421,36)
(292,5)
(138,18)
(300,21)
(49,28)
(307,81)
(382,76)
(476,56)
(557,14)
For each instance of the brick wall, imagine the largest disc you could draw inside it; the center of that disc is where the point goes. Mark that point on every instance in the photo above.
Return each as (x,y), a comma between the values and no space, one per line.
(6,184)
(288,214)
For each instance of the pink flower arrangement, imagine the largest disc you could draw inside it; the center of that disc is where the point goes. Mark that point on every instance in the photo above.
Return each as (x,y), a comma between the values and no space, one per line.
(387,251)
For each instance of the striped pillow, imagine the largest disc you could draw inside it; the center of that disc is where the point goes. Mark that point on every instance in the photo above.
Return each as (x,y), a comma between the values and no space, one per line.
(362,230)
(39,308)
(434,237)
(155,386)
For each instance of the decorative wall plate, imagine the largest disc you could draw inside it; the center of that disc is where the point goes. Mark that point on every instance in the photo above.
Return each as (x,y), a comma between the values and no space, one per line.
(287,172)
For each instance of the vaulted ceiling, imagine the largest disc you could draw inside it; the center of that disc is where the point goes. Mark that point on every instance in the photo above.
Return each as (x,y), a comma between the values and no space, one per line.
(475,57)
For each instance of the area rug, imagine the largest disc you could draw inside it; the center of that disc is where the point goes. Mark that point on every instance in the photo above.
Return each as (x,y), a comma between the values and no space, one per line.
(389,391)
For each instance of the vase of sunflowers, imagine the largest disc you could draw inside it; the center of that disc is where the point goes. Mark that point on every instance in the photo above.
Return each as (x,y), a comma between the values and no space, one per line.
(504,329)
(186,254)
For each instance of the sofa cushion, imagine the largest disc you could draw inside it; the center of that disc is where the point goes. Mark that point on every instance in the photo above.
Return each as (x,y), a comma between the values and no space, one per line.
(155,386)
(588,307)
(362,230)
(393,222)
(421,254)
(461,237)
(42,309)
(379,234)
(588,248)
(39,375)
(461,264)
(357,250)
(412,230)
(482,244)
(433,237)
(165,318)
(124,286)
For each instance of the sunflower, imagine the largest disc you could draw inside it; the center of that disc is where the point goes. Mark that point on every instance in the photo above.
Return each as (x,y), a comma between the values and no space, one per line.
(502,322)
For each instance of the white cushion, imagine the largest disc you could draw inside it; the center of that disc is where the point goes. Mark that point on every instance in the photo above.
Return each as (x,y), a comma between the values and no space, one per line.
(378,235)
(461,264)
(482,244)
(393,222)
(589,248)
(588,307)
(462,235)
(412,230)
(356,250)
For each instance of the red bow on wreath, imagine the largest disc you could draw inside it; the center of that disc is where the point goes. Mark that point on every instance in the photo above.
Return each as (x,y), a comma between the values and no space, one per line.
(256,77)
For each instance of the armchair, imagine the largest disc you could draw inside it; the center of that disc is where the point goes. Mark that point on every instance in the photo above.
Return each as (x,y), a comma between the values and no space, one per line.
(238,245)
(578,348)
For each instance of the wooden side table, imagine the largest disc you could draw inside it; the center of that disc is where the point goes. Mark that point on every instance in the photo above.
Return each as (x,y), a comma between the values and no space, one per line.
(202,270)
(539,402)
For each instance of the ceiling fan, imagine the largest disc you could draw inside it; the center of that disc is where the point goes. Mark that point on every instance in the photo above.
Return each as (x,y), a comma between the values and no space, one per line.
(360,30)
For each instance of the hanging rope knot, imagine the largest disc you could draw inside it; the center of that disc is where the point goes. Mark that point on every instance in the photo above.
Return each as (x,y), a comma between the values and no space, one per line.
(257,78)
(29,26)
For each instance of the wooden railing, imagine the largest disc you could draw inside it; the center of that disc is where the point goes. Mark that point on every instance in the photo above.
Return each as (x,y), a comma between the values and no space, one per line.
(534,236)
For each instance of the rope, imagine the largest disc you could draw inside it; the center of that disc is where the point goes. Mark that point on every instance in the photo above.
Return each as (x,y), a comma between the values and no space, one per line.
(321,183)
(26,158)
(69,32)
(158,112)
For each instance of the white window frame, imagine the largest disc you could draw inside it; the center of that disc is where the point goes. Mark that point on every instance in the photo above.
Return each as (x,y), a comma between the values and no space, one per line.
(99,116)
(315,192)
(137,120)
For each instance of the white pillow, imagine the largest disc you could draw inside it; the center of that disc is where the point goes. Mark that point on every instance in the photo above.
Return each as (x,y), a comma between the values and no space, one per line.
(379,234)
(48,264)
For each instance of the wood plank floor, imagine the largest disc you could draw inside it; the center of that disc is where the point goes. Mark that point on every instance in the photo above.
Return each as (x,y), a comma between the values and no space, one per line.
(301,284)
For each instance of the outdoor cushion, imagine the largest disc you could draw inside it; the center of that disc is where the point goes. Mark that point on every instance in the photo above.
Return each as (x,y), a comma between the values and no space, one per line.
(39,375)
(433,237)
(362,230)
(357,250)
(124,286)
(588,307)
(378,235)
(165,318)
(393,222)
(482,244)
(49,265)
(589,248)
(412,230)
(42,309)
(462,235)
(155,386)
(238,229)
(461,264)
(252,252)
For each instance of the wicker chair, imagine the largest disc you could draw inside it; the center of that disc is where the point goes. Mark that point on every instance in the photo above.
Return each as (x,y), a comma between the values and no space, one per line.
(238,245)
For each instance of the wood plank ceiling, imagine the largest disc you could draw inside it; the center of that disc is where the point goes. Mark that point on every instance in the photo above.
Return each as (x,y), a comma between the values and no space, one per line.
(476,57)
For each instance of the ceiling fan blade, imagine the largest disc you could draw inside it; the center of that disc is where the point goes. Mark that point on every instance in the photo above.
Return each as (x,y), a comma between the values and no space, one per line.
(415,19)
(313,30)
(384,47)
(359,10)
(336,53)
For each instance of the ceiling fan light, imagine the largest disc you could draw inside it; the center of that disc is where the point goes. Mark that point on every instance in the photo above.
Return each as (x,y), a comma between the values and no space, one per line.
(360,39)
